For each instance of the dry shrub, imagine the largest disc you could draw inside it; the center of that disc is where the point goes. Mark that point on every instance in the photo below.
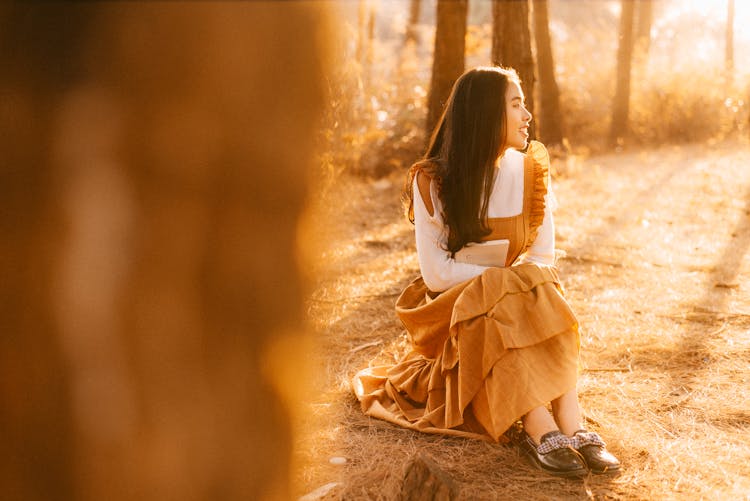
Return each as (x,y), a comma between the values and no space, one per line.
(685,106)
(375,121)
(585,101)
(375,117)
(678,90)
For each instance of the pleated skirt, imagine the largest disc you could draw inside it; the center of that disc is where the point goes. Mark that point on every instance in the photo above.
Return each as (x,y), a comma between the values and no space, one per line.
(484,353)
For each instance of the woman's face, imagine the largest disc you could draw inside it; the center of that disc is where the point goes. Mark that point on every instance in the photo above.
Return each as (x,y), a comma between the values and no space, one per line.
(517,118)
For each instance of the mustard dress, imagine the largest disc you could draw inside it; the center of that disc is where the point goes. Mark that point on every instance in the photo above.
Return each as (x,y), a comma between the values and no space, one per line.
(488,350)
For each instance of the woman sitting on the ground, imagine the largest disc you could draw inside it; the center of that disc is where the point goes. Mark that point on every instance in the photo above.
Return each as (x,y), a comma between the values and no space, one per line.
(491,344)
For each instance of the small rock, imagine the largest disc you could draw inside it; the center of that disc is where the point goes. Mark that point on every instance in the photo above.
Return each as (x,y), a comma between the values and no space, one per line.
(425,481)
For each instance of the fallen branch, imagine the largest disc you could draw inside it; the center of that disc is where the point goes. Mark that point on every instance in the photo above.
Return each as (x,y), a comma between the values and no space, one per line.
(654,420)
(366,345)
(707,316)
(586,259)
(321,492)
(608,369)
(350,298)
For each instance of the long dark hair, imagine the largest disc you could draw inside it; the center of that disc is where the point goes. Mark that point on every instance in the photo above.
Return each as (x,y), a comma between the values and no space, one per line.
(464,146)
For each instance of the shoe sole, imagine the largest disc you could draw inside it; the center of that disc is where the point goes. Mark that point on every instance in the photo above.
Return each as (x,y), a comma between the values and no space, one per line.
(562,474)
(606,471)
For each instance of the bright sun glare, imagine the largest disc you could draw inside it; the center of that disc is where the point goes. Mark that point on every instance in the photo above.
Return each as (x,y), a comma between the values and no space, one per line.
(717,10)
(706,39)
(714,7)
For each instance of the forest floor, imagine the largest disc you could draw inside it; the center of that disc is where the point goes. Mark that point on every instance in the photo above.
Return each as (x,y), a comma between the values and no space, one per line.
(657,267)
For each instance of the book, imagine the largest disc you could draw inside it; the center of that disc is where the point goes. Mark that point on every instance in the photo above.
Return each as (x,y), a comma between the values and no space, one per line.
(490,253)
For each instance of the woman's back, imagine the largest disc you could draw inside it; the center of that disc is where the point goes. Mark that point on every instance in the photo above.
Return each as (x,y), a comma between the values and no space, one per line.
(505,217)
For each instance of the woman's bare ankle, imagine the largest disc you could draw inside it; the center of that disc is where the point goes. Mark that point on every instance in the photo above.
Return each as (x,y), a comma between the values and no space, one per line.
(567,413)
(537,423)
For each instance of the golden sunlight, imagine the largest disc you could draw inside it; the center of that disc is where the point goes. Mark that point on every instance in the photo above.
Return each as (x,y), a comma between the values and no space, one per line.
(710,8)
(713,10)
(700,25)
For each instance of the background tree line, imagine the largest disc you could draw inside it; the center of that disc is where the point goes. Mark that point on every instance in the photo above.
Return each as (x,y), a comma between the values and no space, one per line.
(512,22)
(628,87)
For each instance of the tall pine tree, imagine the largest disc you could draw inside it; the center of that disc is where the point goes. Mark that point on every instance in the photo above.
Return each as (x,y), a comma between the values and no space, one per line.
(448,59)
(621,102)
(511,45)
(549,119)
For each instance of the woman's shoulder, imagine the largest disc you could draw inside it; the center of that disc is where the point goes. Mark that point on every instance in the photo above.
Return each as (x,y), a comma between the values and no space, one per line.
(538,154)
(535,158)
(512,154)
(424,172)
(512,163)
(535,150)
(429,167)
(421,175)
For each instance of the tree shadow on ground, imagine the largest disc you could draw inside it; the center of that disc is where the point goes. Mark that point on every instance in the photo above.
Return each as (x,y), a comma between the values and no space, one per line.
(710,314)
(366,328)
(637,205)
(710,311)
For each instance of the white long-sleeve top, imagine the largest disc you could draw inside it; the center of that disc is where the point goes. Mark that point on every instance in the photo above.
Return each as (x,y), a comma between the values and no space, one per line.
(439,270)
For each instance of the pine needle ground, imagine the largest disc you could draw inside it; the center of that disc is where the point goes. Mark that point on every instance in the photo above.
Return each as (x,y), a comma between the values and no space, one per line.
(656,265)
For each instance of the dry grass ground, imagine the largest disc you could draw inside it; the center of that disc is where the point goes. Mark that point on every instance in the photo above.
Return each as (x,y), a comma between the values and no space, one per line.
(657,264)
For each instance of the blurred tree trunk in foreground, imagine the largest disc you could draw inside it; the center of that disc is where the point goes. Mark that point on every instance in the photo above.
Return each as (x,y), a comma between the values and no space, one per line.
(511,45)
(37,428)
(150,205)
(621,102)
(729,47)
(645,17)
(448,59)
(549,118)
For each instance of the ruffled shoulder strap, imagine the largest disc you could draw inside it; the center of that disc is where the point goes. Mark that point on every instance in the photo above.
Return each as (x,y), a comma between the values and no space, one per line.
(427,167)
(536,162)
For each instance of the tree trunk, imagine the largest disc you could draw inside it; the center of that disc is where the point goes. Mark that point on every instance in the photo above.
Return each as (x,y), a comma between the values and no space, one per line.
(549,118)
(729,48)
(371,31)
(448,59)
(149,225)
(620,104)
(361,30)
(415,7)
(643,29)
(511,45)
(365,32)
